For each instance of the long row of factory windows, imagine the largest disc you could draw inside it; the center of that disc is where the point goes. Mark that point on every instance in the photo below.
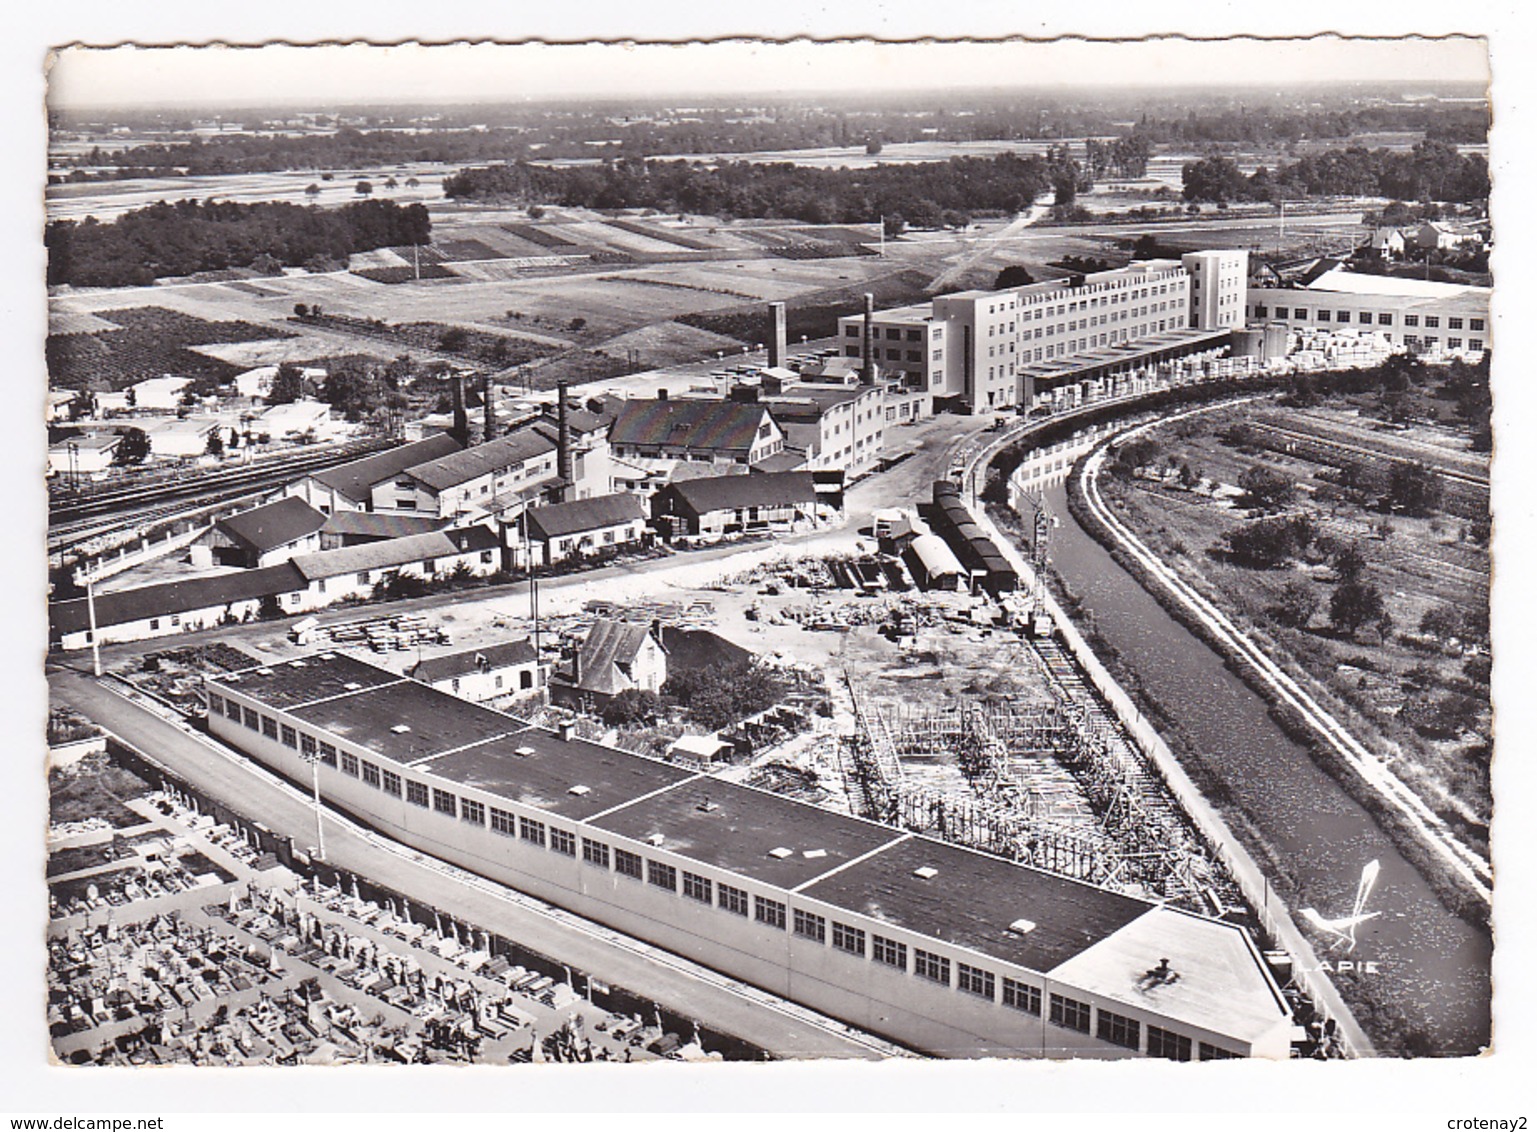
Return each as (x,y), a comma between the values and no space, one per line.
(1068,1013)
(1378,318)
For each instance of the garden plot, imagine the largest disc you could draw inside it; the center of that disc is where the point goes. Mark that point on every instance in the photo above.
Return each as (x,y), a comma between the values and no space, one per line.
(77,322)
(380,257)
(149,341)
(495,236)
(270,351)
(718,280)
(514,269)
(599,234)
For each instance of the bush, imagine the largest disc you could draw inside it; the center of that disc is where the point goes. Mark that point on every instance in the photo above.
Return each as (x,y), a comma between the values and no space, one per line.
(1267,543)
(1348,562)
(1265,490)
(1442,622)
(1414,489)
(1355,604)
(632,706)
(1440,717)
(718,697)
(1296,605)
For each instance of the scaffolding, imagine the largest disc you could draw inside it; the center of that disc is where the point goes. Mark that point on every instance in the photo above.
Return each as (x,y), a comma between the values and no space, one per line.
(1122,829)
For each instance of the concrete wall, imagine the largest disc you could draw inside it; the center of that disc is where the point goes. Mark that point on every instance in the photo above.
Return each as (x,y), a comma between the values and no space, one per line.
(928,1016)
(605,538)
(481,686)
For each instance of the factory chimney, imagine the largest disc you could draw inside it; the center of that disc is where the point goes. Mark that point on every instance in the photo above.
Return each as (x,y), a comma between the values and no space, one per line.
(461,429)
(487,407)
(867,370)
(778,346)
(563,442)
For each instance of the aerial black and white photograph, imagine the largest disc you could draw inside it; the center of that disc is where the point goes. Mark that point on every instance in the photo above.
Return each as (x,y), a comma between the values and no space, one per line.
(754,551)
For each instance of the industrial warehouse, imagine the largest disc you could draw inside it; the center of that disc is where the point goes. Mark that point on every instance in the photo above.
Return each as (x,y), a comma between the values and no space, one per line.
(947,950)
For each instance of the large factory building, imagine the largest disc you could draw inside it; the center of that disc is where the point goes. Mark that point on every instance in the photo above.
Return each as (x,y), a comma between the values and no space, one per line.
(949,951)
(970,349)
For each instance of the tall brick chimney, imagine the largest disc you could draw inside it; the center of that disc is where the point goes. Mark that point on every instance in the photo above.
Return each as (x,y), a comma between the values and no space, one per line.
(487,407)
(563,443)
(867,370)
(461,429)
(778,345)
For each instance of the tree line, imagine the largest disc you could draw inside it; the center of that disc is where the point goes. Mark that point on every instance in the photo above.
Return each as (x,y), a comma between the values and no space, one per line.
(1432,170)
(189,236)
(922,194)
(1260,126)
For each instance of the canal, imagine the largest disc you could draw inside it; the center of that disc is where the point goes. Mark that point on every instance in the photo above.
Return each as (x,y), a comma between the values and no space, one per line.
(1430,966)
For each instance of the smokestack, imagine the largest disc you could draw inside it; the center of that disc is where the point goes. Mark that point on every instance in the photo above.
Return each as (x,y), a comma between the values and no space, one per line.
(778,348)
(461,429)
(867,371)
(563,443)
(486,407)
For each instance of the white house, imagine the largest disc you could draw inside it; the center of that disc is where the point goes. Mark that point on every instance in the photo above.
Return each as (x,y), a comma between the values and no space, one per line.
(563,531)
(159,392)
(256,382)
(616,656)
(473,480)
(353,571)
(295,419)
(484,673)
(178,439)
(83,455)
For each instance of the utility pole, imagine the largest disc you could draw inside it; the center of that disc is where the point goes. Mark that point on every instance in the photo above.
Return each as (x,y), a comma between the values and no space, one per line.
(90,606)
(533,585)
(320,831)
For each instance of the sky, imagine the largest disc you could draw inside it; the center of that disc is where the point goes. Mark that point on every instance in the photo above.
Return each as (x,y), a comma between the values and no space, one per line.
(364,73)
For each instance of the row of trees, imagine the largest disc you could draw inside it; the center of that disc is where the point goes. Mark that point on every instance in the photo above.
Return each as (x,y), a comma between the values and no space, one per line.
(920,193)
(1432,170)
(1124,158)
(191,236)
(1266,126)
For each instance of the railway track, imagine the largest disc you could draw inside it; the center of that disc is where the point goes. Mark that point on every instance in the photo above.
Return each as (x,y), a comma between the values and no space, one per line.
(73,521)
(1350,452)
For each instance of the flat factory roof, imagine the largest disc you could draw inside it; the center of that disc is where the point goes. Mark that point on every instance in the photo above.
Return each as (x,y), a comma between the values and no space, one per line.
(1211,972)
(289,683)
(972,899)
(759,835)
(435,722)
(551,768)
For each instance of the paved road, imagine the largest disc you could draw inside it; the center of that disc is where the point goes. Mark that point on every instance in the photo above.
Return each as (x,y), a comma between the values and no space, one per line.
(264,799)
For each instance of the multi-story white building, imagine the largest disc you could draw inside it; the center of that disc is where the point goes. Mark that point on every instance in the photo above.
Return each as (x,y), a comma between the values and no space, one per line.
(1424,317)
(1219,283)
(968,349)
(467,482)
(841,427)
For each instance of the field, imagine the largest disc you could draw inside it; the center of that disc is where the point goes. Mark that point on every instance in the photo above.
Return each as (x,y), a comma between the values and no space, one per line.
(1419,697)
(145,342)
(577,290)
(106,200)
